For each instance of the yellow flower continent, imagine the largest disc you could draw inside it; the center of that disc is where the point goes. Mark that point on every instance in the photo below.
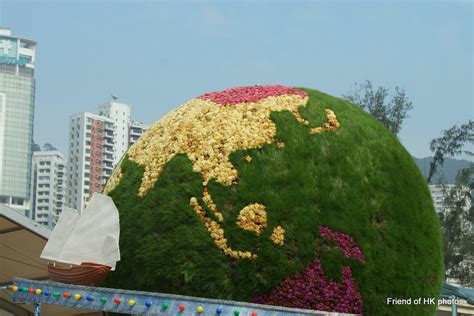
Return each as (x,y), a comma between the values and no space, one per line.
(208,133)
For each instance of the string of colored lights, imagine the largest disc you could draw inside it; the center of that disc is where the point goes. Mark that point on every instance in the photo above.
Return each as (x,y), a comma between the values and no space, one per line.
(143,303)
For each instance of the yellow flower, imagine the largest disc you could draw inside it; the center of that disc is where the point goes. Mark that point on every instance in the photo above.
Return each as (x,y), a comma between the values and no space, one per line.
(253,217)
(278,235)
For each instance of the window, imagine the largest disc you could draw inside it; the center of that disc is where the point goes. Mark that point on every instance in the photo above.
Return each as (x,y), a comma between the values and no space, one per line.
(17,201)
(10,68)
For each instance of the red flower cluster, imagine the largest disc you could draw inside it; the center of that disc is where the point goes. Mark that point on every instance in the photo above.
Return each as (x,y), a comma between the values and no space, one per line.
(345,242)
(249,94)
(310,289)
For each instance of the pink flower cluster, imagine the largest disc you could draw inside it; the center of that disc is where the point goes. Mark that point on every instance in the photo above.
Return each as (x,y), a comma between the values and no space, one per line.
(345,242)
(310,289)
(249,94)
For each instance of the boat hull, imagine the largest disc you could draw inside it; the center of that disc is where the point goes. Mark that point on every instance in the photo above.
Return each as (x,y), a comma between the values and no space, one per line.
(90,274)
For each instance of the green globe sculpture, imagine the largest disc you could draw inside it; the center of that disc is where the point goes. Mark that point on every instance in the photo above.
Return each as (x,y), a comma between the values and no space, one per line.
(280,196)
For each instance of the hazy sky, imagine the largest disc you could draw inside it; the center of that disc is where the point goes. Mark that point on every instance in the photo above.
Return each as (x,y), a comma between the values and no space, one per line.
(156,55)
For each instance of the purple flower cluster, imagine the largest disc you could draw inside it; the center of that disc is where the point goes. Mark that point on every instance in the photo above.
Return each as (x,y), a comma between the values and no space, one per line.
(310,289)
(345,242)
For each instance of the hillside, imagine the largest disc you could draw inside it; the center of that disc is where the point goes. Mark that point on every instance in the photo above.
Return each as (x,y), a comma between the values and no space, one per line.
(448,171)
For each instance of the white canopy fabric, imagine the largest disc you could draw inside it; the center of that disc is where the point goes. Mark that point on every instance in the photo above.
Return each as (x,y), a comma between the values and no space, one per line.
(21,243)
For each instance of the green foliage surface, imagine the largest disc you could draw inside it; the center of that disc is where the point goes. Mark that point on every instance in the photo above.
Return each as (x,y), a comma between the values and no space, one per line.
(358,180)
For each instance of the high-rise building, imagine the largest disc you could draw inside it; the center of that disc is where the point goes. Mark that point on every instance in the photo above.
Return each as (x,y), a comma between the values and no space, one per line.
(437,194)
(119,114)
(452,191)
(97,142)
(136,129)
(17,98)
(48,187)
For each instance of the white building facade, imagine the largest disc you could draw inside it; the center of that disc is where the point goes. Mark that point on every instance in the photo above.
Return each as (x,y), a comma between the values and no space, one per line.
(48,187)
(97,142)
(438,191)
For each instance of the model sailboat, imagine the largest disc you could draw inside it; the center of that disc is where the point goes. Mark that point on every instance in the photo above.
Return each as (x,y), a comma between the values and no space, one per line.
(87,243)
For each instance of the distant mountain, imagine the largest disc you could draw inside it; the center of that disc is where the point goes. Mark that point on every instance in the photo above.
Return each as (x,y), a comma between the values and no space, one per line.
(448,171)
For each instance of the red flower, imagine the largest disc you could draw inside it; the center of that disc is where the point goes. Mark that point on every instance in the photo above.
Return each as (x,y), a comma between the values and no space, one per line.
(249,94)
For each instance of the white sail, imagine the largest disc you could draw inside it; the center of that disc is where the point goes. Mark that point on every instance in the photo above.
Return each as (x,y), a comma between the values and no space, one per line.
(110,252)
(54,246)
(94,236)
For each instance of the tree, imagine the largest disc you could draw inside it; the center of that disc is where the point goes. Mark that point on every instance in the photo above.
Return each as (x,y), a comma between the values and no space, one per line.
(457,215)
(391,113)
(451,143)
(456,218)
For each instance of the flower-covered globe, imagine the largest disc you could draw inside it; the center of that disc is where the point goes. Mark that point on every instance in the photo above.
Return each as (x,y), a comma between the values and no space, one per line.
(280,196)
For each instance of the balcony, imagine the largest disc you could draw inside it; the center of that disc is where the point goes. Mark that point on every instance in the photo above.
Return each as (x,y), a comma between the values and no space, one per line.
(109,127)
(108,156)
(108,167)
(109,135)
